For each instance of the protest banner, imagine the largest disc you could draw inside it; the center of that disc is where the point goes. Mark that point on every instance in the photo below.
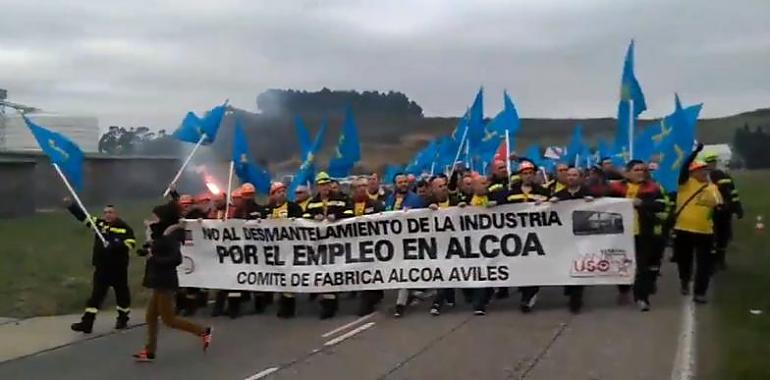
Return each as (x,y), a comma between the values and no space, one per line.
(566,243)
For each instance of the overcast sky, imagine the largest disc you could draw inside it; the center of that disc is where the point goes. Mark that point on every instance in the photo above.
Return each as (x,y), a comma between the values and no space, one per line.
(142,64)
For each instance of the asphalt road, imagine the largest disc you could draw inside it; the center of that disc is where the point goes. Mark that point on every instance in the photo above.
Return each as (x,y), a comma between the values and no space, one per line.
(605,341)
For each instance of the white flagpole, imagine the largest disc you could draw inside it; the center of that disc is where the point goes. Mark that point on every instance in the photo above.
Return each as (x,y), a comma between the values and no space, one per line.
(432,167)
(80,204)
(577,160)
(508,151)
(630,129)
(229,189)
(184,165)
(545,175)
(459,151)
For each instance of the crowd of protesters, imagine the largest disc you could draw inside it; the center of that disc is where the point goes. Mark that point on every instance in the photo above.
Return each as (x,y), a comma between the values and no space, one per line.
(695,219)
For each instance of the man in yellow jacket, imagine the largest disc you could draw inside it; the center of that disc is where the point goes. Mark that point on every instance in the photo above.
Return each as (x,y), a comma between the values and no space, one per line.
(696,202)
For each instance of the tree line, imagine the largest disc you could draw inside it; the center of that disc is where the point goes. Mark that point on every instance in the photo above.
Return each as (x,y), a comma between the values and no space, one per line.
(277,103)
(752,145)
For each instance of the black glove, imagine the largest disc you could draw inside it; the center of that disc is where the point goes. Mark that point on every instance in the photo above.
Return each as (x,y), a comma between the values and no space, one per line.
(144,251)
(739,212)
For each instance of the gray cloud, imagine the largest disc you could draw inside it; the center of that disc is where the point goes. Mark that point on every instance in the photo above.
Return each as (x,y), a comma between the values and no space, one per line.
(145,63)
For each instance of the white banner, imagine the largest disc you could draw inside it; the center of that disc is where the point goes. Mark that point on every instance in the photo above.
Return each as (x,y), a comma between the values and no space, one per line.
(567,243)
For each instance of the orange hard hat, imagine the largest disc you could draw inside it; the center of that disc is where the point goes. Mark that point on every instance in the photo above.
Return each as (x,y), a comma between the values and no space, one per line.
(186,199)
(248,189)
(203,197)
(695,165)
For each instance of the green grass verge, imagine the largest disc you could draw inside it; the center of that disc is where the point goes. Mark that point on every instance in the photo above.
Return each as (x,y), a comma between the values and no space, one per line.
(743,339)
(45,265)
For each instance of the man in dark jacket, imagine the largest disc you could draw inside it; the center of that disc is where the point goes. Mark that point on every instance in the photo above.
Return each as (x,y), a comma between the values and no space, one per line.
(574,189)
(527,190)
(723,217)
(326,205)
(110,265)
(279,207)
(163,254)
(648,201)
(401,200)
(440,198)
(362,204)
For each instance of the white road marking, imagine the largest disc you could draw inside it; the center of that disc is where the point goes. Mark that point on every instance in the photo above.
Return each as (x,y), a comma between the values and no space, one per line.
(684,362)
(262,374)
(347,326)
(349,334)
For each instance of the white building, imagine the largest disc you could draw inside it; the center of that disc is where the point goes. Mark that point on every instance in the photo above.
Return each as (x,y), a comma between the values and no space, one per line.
(16,137)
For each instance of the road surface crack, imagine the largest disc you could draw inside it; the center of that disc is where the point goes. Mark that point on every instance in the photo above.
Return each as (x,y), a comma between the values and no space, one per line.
(543,352)
(425,348)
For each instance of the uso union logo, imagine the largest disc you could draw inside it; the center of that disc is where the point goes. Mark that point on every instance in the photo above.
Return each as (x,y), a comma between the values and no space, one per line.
(608,263)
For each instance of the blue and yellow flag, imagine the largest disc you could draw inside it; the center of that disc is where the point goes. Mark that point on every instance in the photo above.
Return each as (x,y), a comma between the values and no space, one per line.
(630,92)
(306,172)
(193,127)
(244,166)
(676,144)
(61,151)
(348,148)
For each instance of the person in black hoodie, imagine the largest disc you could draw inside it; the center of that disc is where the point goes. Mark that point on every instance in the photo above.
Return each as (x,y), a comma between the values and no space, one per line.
(163,256)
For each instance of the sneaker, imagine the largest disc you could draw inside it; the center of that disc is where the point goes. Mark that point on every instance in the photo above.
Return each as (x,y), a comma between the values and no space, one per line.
(450,304)
(685,288)
(434,311)
(399,311)
(206,338)
(143,356)
(480,312)
(701,299)
(643,305)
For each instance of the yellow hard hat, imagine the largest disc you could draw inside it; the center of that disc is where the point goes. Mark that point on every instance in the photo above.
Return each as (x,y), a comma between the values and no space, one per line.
(322,178)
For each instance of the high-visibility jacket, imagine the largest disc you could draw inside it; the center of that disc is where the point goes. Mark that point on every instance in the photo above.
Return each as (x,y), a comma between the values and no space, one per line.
(730,197)
(119,236)
(498,185)
(286,210)
(652,202)
(517,194)
(334,205)
(367,207)
(697,216)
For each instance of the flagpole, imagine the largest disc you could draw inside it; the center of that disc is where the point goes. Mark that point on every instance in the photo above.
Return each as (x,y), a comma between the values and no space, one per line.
(459,151)
(184,165)
(508,151)
(577,160)
(80,204)
(545,175)
(432,167)
(229,189)
(630,129)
